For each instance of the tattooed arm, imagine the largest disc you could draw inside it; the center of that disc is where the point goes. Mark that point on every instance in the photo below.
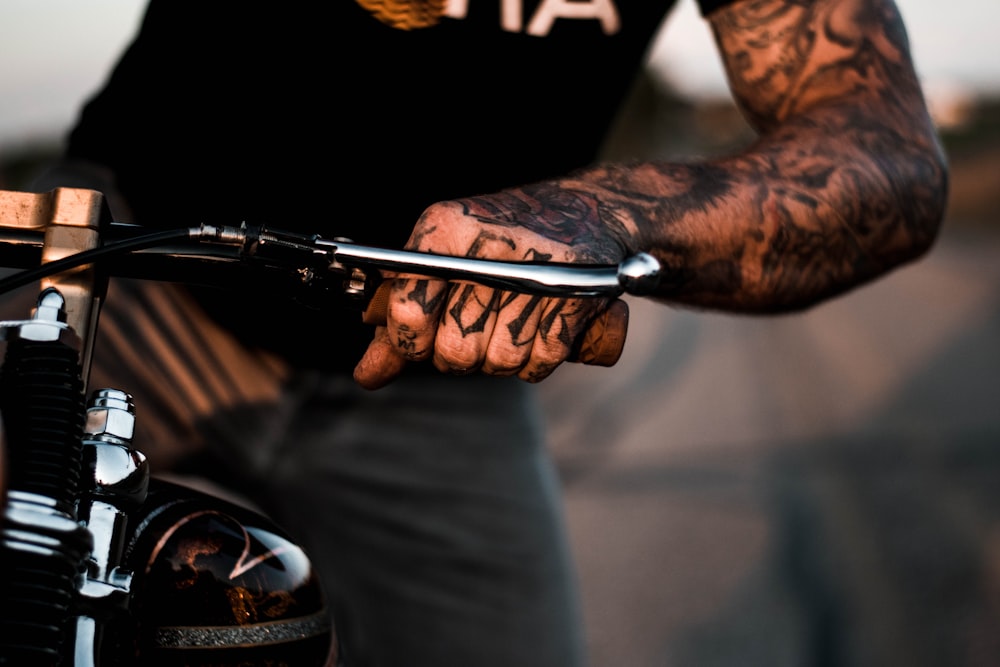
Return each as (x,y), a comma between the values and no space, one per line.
(845,181)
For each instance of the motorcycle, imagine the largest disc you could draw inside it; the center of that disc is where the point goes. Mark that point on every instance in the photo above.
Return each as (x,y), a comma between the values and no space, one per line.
(105,564)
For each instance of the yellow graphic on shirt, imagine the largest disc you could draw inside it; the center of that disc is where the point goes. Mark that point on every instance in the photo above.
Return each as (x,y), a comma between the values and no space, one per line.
(406,14)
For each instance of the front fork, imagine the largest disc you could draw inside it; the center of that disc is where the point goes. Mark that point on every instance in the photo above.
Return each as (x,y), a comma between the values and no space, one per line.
(71,477)
(44,547)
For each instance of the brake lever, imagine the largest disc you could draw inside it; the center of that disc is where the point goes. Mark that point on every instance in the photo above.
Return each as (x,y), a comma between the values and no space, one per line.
(636,275)
(601,344)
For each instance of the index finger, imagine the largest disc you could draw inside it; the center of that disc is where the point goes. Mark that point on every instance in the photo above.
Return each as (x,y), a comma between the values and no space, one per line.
(413,309)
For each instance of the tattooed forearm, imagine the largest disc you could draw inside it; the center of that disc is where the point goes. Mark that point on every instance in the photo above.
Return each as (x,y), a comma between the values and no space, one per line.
(794,219)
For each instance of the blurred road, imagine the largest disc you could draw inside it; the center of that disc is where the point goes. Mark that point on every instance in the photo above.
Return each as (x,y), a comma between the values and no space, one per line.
(820,489)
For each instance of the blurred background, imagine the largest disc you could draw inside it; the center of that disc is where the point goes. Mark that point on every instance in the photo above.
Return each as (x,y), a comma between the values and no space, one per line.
(820,489)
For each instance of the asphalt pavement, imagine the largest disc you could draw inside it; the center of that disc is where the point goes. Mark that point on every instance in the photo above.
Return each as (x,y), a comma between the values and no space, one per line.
(819,489)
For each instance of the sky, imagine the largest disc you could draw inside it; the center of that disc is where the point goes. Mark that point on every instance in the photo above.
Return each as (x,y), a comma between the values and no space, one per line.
(54,53)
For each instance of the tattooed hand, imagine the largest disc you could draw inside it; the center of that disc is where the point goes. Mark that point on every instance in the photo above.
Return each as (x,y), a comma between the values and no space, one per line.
(464,328)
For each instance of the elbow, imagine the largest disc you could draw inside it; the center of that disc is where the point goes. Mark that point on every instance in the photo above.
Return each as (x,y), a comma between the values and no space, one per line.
(901,225)
(914,188)
(925,207)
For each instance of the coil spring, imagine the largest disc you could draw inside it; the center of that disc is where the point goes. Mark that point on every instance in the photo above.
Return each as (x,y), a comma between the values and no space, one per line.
(44,549)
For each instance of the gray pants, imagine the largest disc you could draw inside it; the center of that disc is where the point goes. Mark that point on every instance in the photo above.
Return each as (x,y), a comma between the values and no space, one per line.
(430,510)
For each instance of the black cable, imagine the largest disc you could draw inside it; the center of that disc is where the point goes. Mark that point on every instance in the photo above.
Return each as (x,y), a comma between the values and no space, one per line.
(75,260)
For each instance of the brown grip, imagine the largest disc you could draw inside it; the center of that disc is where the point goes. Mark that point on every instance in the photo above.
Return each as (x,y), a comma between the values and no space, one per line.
(600,345)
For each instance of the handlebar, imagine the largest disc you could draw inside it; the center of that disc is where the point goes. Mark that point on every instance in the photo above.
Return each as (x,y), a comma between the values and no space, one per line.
(30,224)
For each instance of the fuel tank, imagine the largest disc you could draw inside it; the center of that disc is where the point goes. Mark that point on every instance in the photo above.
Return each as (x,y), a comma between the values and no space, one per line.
(216,584)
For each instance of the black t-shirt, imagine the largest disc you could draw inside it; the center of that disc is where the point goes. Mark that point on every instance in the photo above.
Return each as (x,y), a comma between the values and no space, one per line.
(325,117)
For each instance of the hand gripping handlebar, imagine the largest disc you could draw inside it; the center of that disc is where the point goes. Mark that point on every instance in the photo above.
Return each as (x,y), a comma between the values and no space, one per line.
(207,253)
(602,342)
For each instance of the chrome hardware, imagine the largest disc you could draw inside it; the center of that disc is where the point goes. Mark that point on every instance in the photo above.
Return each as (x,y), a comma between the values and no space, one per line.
(636,275)
(48,322)
(118,482)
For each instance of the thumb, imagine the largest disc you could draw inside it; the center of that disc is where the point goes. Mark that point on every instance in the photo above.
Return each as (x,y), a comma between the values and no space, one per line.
(380,363)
